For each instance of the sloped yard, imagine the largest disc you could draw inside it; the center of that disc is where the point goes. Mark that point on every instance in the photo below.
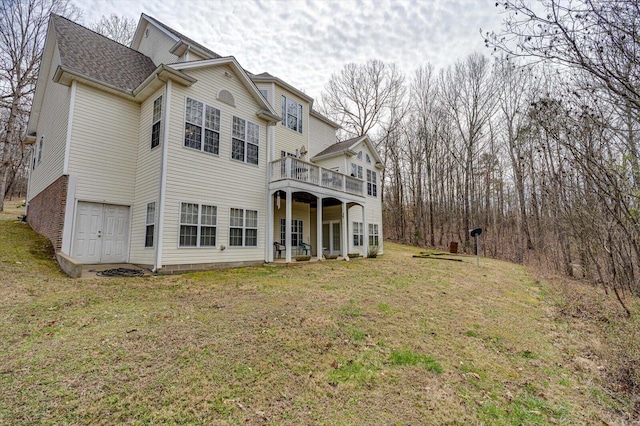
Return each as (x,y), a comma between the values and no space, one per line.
(393,340)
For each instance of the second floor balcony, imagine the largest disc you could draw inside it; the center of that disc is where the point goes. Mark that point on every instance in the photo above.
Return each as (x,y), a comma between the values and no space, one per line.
(295,169)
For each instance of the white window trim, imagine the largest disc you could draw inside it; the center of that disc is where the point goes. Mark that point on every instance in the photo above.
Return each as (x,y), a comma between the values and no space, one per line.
(284,111)
(358,170)
(246,143)
(152,223)
(372,183)
(244,228)
(374,234)
(357,226)
(198,225)
(202,125)
(158,121)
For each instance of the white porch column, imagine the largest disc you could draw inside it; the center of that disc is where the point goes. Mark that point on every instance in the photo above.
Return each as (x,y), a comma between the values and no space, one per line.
(345,237)
(269,228)
(365,234)
(319,238)
(287,225)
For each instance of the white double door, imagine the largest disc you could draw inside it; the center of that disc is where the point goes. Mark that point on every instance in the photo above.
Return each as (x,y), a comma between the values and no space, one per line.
(101,233)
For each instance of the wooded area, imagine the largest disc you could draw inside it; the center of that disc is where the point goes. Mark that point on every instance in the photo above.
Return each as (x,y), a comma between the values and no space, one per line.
(535,142)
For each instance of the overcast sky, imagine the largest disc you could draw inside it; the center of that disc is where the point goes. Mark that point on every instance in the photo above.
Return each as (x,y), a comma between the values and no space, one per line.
(304,42)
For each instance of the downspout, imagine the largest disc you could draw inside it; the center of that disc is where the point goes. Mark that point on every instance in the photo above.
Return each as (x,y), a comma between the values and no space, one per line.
(31,159)
(163,176)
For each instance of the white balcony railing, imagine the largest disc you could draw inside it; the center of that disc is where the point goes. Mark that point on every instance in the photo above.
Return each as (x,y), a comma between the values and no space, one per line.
(293,168)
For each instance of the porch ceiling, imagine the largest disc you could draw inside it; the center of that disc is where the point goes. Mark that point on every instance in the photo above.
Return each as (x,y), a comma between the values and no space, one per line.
(311,199)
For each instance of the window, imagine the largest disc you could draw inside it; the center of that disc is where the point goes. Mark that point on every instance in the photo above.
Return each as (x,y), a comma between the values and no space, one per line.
(368,159)
(156,122)
(372,183)
(198,117)
(356,171)
(359,155)
(285,154)
(198,224)
(150,224)
(291,114)
(243,231)
(264,93)
(244,141)
(296,232)
(373,235)
(358,237)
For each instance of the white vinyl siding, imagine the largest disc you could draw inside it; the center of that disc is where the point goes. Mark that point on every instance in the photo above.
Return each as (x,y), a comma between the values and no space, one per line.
(216,180)
(147,182)
(104,155)
(52,125)
(157,45)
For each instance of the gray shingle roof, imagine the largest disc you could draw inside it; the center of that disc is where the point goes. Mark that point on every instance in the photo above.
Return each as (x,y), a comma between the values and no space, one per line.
(186,39)
(100,58)
(339,147)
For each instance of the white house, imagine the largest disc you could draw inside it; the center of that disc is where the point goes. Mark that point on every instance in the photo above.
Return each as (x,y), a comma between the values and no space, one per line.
(167,155)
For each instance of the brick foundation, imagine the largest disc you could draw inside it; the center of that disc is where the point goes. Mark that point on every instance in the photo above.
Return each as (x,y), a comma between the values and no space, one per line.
(46,211)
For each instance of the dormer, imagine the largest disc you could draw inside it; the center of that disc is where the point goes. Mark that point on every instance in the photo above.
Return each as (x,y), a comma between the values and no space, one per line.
(164,45)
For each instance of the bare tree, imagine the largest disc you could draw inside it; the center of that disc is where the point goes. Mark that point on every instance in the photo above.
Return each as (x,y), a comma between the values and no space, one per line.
(360,97)
(23,27)
(117,28)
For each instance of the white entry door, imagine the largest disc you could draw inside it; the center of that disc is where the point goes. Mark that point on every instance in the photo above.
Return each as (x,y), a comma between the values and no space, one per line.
(101,233)
(331,237)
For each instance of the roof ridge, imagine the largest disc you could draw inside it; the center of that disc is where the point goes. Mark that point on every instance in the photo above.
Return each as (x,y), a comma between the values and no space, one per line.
(101,35)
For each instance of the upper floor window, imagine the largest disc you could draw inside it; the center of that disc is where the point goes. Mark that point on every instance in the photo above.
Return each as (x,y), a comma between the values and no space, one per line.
(356,170)
(264,93)
(244,141)
(372,183)
(359,155)
(368,159)
(291,114)
(202,127)
(156,122)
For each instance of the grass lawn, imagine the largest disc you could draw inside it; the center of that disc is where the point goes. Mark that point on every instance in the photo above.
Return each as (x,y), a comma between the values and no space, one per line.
(392,340)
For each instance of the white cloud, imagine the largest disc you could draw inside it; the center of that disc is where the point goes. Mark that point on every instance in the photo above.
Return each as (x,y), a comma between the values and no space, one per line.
(305,42)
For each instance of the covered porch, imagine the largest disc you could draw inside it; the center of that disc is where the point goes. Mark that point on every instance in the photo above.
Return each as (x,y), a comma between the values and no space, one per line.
(310,210)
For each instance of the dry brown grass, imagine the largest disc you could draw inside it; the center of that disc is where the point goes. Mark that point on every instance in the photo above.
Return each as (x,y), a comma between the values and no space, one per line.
(358,342)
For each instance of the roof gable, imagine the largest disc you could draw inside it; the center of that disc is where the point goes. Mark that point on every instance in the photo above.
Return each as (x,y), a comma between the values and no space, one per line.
(182,41)
(99,58)
(267,112)
(348,148)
